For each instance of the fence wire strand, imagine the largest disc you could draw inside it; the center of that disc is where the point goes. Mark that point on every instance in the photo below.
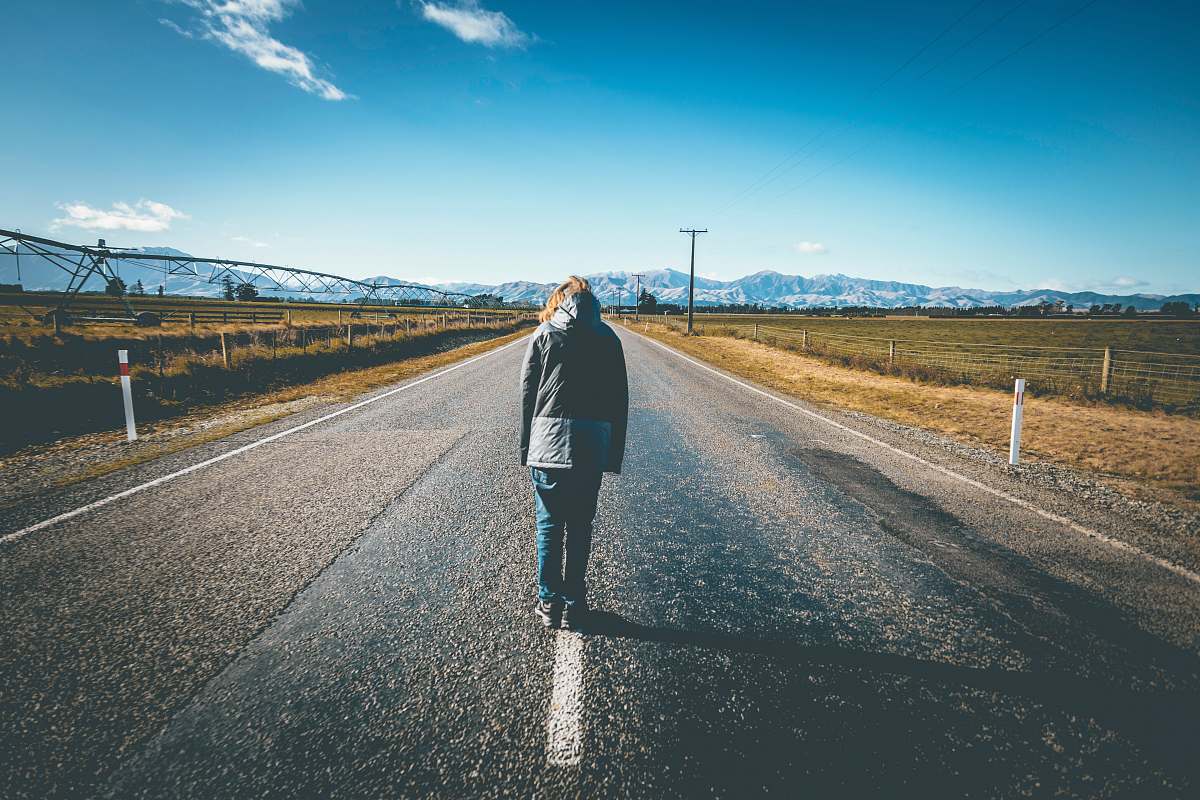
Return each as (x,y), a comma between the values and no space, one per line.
(1143,377)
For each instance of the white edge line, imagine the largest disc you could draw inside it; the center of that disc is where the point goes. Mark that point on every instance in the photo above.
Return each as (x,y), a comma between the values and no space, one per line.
(1181,571)
(46,523)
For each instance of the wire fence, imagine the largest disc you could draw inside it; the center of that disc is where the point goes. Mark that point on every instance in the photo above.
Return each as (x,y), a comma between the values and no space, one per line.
(1170,380)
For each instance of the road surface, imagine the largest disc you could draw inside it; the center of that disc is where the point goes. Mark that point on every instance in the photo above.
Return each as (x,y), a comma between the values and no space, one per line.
(788,607)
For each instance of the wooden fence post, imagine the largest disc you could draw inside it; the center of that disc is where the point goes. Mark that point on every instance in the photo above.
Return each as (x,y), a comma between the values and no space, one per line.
(892,352)
(407,321)
(192,319)
(288,312)
(350,335)
(1106,370)
(756,331)
(273,338)
(224,350)
(804,338)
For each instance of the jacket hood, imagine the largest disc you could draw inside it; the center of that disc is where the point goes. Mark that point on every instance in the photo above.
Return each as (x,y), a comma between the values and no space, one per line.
(578,311)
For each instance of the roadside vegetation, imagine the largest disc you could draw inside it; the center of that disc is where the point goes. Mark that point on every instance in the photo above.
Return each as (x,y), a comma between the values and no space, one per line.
(24,313)
(64,385)
(1143,364)
(1168,336)
(1145,450)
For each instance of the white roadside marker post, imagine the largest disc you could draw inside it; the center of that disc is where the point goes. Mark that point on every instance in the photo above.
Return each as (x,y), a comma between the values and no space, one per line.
(1014,443)
(127,392)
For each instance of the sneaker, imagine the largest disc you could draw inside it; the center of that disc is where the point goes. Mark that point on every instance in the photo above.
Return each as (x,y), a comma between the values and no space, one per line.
(549,613)
(574,615)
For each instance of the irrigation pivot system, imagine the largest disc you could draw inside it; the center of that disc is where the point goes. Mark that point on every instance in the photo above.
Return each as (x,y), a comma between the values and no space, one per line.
(82,262)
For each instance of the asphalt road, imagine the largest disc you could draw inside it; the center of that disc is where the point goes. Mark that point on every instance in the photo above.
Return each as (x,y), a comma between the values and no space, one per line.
(786,608)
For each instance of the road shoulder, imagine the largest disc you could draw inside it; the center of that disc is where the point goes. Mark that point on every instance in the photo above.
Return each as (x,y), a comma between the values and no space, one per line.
(37,482)
(1162,523)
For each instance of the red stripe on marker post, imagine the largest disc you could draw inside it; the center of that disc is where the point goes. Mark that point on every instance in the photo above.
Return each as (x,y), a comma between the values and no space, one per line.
(126,394)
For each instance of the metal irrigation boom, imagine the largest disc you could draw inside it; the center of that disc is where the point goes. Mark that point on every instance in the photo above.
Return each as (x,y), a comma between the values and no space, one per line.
(81,262)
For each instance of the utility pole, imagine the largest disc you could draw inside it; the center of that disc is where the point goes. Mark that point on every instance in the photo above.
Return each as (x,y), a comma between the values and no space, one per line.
(637,296)
(692,272)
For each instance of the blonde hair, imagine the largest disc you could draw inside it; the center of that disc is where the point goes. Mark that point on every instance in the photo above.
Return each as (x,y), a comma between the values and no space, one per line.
(572,285)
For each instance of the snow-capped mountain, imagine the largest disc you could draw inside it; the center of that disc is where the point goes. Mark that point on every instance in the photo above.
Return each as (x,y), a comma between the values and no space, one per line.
(772,289)
(765,288)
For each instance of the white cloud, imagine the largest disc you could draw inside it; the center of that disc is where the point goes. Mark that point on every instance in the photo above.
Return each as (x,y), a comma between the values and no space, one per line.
(249,241)
(243,26)
(1127,282)
(472,23)
(811,248)
(173,26)
(144,215)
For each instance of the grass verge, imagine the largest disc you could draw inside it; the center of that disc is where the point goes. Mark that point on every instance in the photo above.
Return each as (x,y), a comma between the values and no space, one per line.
(1147,451)
(70,388)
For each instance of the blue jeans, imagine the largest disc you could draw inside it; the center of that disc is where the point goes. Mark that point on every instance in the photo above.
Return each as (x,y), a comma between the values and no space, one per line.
(565,501)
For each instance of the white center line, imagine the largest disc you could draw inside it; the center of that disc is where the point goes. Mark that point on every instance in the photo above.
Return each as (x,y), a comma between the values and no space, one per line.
(46,523)
(564,723)
(1117,544)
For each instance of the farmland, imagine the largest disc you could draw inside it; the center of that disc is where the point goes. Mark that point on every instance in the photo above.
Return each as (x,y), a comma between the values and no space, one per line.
(1167,336)
(24,313)
(63,384)
(1141,362)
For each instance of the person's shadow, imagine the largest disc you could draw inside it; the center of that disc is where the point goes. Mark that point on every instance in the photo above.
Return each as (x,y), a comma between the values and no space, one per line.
(1166,723)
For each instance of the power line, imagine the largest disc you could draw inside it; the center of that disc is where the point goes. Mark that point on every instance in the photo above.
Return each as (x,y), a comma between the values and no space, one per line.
(1031,40)
(1010,54)
(770,177)
(982,32)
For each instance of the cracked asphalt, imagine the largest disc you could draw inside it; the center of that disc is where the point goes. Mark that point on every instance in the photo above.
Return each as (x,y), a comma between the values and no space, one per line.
(784,609)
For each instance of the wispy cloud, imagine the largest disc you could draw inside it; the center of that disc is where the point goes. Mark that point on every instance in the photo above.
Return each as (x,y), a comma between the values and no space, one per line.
(1128,282)
(243,26)
(175,27)
(249,241)
(472,23)
(811,248)
(144,215)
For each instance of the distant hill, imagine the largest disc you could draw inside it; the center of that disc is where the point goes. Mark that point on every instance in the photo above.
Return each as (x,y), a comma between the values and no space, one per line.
(766,288)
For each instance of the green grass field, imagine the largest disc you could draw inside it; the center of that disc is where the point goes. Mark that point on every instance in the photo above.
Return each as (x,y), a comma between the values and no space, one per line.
(1167,336)
(1149,363)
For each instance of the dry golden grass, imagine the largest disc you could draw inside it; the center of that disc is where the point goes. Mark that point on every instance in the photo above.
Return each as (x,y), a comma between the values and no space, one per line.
(355,382)
(54,465)
(1156,450)
(23,312)
(1167,336)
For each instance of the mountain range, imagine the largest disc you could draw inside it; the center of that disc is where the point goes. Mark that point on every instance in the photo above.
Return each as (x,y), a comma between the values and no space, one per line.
(765,288)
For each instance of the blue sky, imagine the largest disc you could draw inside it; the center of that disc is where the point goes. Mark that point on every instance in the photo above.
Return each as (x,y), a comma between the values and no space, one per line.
(1027,145)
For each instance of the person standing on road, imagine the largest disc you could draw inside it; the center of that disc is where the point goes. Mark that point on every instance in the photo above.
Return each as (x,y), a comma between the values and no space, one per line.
(574,412)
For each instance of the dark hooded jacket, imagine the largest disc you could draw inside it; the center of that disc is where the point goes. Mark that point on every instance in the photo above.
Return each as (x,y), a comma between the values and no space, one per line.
(574,391)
